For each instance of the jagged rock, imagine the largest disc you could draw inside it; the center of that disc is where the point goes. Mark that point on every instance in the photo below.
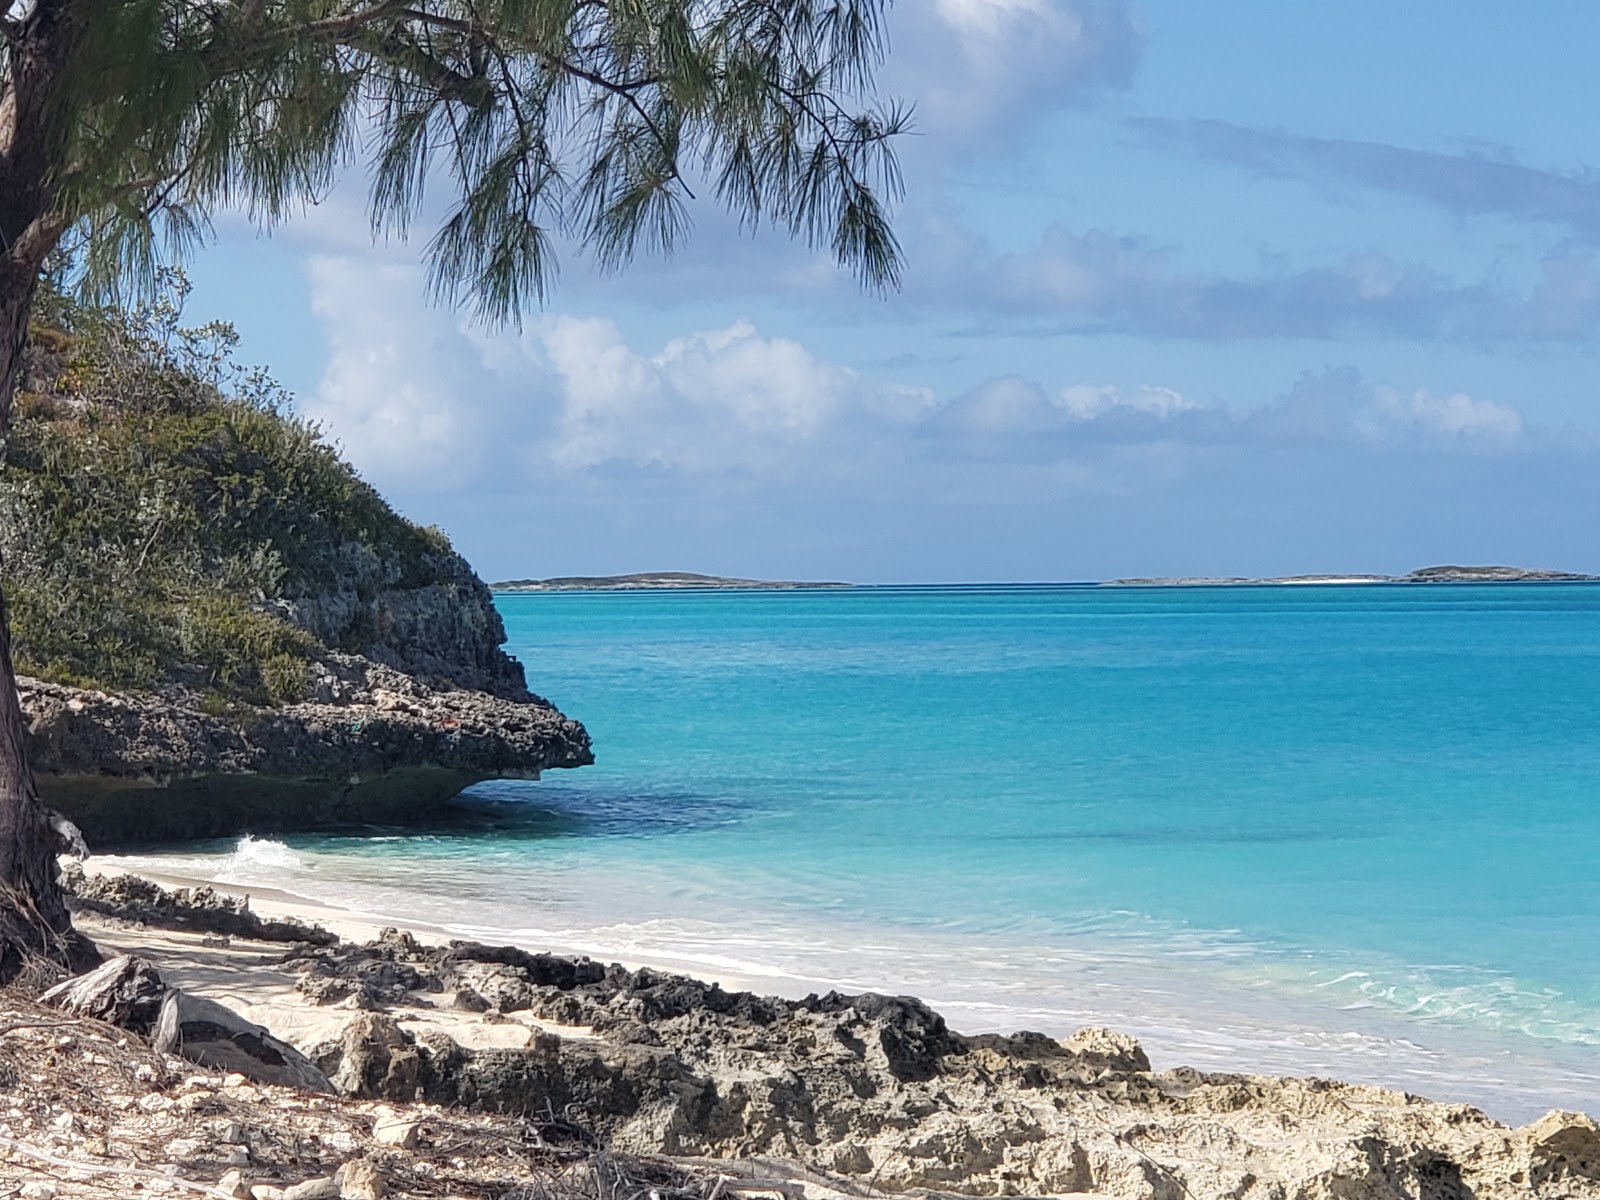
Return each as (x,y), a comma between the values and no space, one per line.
(1565,1145)
(207,1033)
(1108,1049)
(202,909)
(125,991)
(374,1059)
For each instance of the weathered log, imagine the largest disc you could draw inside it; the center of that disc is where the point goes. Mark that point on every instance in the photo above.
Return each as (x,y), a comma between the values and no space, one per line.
(125,991)
(205,1032)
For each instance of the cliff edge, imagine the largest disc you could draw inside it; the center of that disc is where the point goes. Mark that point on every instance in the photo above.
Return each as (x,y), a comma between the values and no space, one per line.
(207,600)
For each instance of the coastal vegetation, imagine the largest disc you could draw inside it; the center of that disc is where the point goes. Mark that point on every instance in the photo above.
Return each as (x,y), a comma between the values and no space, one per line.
(162,509)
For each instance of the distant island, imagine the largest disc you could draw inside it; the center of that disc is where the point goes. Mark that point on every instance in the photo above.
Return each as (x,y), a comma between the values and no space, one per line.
(651,581)
(1444,574)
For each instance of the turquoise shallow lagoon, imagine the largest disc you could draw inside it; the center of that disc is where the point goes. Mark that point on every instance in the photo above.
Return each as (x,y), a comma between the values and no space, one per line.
(1338,830)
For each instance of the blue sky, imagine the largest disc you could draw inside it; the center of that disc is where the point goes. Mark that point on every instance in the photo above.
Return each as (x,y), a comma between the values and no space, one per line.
(1234,288)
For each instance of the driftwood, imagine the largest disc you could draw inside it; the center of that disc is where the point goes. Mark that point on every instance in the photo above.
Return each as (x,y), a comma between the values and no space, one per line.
(126,992)
(205,1032)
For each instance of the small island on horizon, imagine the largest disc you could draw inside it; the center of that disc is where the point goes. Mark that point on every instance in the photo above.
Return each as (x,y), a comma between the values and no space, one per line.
(653,581)
(1440,574)
(691,581)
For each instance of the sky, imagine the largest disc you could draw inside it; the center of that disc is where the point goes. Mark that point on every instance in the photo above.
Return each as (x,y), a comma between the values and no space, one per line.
(1240,288)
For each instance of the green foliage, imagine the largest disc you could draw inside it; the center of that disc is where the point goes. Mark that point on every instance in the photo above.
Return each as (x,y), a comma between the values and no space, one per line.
(158,502)
(540,119)
(285,679)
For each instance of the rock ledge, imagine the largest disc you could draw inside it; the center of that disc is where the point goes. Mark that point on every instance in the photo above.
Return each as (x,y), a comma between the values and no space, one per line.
(372,745)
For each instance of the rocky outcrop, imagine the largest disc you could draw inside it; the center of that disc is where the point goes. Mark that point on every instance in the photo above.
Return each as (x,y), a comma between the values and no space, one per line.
(880,1090)
(433,619)
(853,1094)
(204,910)
(372,744)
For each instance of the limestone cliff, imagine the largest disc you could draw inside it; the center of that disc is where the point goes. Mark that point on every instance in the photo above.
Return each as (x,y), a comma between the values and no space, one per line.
(210,600)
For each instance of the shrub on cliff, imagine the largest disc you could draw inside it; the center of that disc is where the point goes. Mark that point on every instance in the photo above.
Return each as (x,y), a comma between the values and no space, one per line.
(164,516)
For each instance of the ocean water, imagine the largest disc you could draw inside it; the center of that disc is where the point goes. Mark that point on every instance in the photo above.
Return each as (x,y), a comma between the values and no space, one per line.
(1336,830)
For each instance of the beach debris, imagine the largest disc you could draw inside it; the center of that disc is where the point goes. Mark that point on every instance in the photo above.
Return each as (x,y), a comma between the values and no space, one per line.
(71,1119)
(207,1033)
(126,991)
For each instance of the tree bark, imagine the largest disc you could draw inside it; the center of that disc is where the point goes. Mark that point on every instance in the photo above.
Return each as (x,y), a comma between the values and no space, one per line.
(34,922)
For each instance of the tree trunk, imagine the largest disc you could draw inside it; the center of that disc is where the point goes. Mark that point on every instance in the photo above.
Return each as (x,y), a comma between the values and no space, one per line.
(34,922)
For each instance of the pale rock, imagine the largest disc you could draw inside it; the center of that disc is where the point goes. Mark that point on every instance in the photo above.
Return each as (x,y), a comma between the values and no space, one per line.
(232,1184)
(359,1179)
(38,1191)
(1107,1048)
(184,1147)
(153,1103)
(1566,1143)
(266,1191)
(393,1128)
(323,1188)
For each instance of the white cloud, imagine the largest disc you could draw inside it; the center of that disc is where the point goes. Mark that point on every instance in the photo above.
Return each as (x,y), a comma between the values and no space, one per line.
(980,71)
(397,388)
(709,403)
(1086,401)
(1457,417)
(427,404)
(1340,404)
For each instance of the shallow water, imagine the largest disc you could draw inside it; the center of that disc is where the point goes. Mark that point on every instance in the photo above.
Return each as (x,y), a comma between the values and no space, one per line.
(1335,830)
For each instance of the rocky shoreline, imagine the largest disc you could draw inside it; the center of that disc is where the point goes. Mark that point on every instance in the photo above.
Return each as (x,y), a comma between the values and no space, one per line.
(839,1094)
(372,745)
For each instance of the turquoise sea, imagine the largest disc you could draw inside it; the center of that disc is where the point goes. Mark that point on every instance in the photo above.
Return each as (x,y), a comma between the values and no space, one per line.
(1336,830)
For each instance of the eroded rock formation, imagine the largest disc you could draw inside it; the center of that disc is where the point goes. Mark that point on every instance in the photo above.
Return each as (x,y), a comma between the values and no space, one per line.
(880,1090)
(371,745)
